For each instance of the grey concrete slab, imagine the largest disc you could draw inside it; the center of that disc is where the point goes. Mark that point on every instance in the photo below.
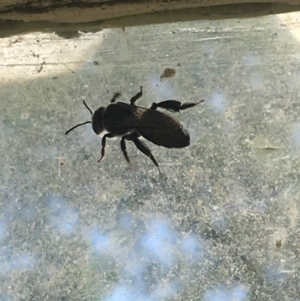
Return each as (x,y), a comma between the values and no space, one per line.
(223,221)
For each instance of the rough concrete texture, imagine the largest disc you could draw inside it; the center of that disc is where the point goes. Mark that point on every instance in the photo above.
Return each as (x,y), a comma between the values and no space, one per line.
(221,224)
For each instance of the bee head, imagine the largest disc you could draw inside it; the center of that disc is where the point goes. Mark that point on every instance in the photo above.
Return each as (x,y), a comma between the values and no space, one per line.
(97,120)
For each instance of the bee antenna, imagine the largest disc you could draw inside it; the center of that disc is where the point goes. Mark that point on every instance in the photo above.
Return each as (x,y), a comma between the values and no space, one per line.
(76,126)
(88,107)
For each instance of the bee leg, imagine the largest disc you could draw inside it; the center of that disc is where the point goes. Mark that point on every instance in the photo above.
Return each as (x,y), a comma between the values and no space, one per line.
(136,97)
(123,148)
(104,144)
(145,150)
(116,95)
(174,105)
(130,137)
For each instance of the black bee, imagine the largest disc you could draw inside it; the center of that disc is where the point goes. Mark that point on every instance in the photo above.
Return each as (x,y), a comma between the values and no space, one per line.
(131,122)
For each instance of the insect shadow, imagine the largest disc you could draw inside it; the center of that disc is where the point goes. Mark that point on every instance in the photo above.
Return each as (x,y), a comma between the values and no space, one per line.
(130,122)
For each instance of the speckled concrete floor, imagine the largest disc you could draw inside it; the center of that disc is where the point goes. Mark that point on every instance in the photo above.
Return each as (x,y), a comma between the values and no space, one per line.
(223,221)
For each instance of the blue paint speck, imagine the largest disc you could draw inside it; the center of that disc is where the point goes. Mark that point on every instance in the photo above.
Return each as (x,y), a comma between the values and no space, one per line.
(216,102)
(99,241)
(64,218)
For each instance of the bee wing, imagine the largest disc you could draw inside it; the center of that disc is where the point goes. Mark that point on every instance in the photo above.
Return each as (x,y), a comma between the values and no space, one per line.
(158,127)
(139,118)
(161,128)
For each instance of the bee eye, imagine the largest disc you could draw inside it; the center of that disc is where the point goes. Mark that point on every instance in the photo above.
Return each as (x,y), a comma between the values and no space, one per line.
(98,121)
(97,127)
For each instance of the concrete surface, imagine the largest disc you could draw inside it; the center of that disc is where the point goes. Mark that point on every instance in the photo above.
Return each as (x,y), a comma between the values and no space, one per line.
(223,222)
